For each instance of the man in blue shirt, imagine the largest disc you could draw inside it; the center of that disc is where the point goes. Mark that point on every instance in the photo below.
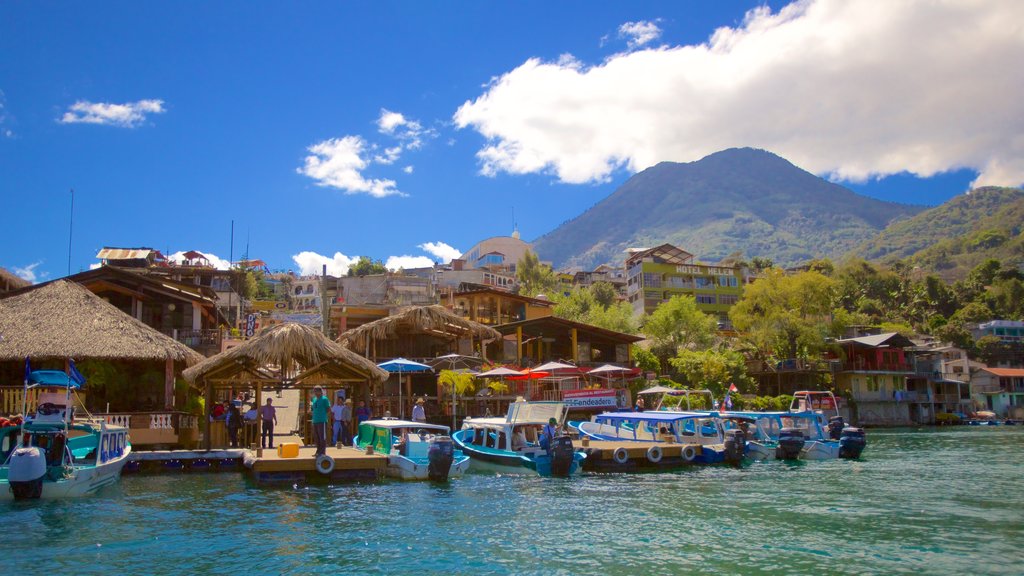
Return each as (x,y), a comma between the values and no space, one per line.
(320,406)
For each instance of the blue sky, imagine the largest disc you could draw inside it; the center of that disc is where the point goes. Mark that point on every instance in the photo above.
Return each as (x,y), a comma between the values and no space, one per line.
(332,130)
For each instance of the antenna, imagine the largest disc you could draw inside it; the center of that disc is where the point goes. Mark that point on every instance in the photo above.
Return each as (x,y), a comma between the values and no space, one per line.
(71,228)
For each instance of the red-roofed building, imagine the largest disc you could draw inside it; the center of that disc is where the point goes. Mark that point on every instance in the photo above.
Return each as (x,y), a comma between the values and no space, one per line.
(1000,390)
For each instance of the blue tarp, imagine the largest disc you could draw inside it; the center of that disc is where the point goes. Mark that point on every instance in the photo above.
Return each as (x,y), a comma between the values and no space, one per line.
(51,378)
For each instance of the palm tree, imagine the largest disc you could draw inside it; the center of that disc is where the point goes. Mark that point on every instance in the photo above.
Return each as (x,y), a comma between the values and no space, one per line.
(457,383)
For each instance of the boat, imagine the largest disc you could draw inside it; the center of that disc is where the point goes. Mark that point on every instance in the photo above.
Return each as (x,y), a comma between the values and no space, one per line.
(48,455)
(415,450)
(785,436)
(702,432)
(513,443)
(830,426)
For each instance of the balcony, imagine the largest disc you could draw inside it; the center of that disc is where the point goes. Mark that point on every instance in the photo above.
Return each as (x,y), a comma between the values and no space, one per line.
(151,429)
(201,340)
(862,365)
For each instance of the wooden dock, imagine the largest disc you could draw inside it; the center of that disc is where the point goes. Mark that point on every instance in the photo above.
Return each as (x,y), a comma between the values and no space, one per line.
(349,464)
(607,455)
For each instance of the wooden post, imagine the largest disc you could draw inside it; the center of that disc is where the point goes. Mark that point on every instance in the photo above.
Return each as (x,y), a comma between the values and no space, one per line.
(207,397)
(259,421)
(519,345)
(575,348)
(169,383)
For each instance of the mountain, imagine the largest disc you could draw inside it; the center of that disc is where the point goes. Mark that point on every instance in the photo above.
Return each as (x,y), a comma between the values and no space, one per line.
(952,238)
(741,199)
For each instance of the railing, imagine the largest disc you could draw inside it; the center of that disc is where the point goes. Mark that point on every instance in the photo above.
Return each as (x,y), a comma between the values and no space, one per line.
(860,365)
(208,338)
(11,400)
(174,421)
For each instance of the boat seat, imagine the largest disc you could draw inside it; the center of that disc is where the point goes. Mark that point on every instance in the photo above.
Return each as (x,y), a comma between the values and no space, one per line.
(416,448)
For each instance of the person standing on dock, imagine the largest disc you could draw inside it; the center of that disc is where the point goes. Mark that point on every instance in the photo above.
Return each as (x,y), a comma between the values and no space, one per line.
(320,406)
(346,423)
(337,411)
(362,413)
(268,418)
(418,413)
(233,421)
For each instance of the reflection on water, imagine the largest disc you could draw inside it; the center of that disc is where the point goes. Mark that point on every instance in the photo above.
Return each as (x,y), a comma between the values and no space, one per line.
(921,501)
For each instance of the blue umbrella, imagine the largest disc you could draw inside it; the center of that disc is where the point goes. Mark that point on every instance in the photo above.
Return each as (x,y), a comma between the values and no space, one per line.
(399,365)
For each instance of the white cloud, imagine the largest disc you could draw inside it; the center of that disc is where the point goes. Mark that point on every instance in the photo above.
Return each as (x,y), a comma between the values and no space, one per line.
(403,262)
(390,121)
(410,133)
(311,263)
(637,34)
(441,251)
(339,162)
(407,169)
(28,273)
(839,87)
(389,156)
(127,115)
(215,261)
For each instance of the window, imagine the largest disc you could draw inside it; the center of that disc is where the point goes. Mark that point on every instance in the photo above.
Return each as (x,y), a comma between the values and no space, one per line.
(873,384)
(652,280)
(728,299)
(728,281)
(705,298)
(703,282)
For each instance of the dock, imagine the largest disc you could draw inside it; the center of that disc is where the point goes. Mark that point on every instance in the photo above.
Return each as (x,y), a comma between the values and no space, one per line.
(607,455)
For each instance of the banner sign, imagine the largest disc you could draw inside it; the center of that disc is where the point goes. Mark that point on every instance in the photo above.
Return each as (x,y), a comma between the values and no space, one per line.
(307,319)
(590,399)
(268,305)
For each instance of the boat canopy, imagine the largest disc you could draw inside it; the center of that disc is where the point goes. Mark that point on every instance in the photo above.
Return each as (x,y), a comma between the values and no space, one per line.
(534,412)
(51,378)
(393,424)
(380,433)
(656,416)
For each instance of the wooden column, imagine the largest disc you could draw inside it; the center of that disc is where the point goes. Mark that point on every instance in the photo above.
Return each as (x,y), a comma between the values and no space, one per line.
(169,383)
(207,398)
(575,348)
(519,345)
(259,420)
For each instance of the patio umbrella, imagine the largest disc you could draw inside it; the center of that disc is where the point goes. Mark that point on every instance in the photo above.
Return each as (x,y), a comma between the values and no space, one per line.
(555,366)
(467,362)
(400,365)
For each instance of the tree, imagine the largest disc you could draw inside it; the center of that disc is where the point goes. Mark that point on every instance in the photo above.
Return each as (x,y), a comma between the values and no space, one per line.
(678,324)
(618,317)
(789,314)
(365,266)
(250,287)
(582,305)
(712,369)
(645,359)
(535,278)
(457,383)
(604,294)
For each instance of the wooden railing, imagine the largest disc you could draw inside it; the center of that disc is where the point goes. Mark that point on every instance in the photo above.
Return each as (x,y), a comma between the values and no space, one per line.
(197,339)
(11,400)
(173,421)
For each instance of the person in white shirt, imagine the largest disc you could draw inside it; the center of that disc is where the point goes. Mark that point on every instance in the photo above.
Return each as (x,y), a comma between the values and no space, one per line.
(418,413)
(336,415)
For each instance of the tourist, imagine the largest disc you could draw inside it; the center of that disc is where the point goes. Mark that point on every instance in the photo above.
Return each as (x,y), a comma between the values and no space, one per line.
(268,416)
(320,406)
(519,439)
(218,411)
(548,435)
(346,423)
(336,420)
(639,405)
(233,421)
(362,413)
(418,413)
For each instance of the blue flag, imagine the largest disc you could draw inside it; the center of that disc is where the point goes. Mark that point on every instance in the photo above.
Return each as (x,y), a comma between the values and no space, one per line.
(75,375)
(28,369)
(728,401)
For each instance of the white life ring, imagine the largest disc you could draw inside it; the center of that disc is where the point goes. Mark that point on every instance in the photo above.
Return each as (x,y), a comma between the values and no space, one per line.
(324,464)
(654,454)
(689,454)
(621,455)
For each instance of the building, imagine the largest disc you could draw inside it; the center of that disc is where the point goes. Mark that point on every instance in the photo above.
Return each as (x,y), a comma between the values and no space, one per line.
(654,275)
(491,307)
(357,300)
(1000,390)
(1008,331)
(549,338)
(497,254)
(874,371)
(603,273)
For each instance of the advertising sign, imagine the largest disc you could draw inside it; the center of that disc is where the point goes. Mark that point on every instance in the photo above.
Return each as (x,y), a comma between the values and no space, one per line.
(590,399)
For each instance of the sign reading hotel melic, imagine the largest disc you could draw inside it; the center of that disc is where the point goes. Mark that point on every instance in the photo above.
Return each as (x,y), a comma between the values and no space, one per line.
(582,399)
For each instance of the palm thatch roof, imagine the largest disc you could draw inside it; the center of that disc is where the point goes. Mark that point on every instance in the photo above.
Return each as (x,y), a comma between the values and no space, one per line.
(277,349)
(434,320)
(9,282)
(64,320)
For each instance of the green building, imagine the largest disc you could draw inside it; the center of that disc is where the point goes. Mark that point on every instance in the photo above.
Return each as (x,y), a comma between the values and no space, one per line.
(653,275)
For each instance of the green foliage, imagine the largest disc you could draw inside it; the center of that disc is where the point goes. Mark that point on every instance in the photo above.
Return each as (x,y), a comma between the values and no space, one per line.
(250,285)
(583,305)
(712,369)
(762,403)
(645,359)
(677,324)
(604,294)
(365,266)
(535,278)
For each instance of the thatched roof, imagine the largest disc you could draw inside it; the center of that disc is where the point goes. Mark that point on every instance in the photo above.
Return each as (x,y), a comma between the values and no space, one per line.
(435,321)
(9,282)
(64,320)
(320,359)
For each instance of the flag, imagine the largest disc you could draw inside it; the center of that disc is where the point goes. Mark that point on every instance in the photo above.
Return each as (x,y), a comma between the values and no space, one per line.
(733,388)
(75,375)
(28,369)
(728,401)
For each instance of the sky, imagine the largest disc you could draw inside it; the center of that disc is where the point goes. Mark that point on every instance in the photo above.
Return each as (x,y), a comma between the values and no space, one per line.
(409,131)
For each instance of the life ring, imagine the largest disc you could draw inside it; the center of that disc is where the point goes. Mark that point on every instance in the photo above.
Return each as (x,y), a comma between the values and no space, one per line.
(689,454)
(324,464)
(621,455)
(654,454)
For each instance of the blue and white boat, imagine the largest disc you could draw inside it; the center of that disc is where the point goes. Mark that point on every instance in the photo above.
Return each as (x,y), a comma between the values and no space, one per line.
(50,455)
(513,443)
(830,426)
(714,444)
(415,450)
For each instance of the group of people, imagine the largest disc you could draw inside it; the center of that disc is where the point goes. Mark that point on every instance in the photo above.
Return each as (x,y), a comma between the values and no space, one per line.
(339,415)
(230,411)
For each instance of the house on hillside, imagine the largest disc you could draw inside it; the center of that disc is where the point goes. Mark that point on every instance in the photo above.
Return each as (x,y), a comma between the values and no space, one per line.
(873,371)
(491,307)
(1000,390)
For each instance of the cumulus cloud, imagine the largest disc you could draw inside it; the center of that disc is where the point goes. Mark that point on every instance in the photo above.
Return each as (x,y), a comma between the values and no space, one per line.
(410,133)
(215,261)
(637,34)
(28,273)
(404,262)
(127,115)
(407,169)
(440,250)
(311,263)
(339,162)
(839,87)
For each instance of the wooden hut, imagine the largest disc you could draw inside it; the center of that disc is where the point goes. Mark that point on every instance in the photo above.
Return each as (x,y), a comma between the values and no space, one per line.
(53,323)
(287,355)
(9,282)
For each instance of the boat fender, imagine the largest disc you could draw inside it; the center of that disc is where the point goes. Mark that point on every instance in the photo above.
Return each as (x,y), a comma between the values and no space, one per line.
(689,454)
(324,464)
(621,455)
(654,454)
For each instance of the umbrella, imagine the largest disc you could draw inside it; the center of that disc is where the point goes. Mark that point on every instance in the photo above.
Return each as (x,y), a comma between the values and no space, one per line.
(399,365)
(451,360)
(657,390)
(499,372)
(555,366)
(609,370)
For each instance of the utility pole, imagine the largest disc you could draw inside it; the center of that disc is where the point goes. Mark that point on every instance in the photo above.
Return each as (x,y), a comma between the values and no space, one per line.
(71,228)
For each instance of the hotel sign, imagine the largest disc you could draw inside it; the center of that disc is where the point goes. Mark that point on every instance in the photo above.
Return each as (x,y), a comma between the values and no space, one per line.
(714,270)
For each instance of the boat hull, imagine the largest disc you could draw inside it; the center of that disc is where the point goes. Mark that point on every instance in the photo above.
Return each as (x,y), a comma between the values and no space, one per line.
(820,450)
(84,481)
(403,468)
(495,460)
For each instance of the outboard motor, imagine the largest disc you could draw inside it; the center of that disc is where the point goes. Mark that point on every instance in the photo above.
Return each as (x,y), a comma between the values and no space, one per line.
(852,442)
(791,442)
(25,473)
(562,454)
(735,445)
(439,458)
(835,427)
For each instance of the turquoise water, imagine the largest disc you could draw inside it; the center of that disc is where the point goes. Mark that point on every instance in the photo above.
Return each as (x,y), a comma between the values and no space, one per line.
(930,501)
